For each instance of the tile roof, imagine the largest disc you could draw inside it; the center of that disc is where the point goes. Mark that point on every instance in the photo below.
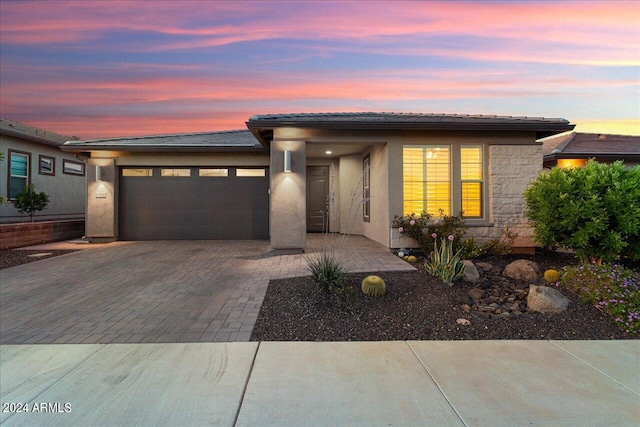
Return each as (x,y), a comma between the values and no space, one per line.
(21,130)
(262,125)
(224,140)
(591,144)
(390,117)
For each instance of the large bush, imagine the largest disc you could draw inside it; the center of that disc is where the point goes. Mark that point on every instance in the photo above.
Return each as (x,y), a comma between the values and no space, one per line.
(593,210)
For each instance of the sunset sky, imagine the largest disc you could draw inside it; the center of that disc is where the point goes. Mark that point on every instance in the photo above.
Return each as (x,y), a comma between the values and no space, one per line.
(118,68)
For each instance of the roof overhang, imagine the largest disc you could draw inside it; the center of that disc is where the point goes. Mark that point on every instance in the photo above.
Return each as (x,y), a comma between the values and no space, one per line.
(262,129)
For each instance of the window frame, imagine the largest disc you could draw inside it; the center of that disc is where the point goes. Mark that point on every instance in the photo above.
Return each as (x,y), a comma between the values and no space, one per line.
(207,168)
(366,187)
(481,181)
(126,168)
(455,172)
(66,172)
(249,175)
(10,153)
(42,157)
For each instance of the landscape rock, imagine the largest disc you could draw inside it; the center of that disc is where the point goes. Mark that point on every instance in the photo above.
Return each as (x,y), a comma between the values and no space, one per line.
(462,322)
(470,271)
(475,293)
(546,300)
(523,269)
(484,266)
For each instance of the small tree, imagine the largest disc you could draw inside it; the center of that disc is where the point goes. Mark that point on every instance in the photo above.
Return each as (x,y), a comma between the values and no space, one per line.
(593,210)
(29,202)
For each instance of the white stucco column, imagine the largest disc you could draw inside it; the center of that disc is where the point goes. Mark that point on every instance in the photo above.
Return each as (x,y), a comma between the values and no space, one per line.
(101,200)
(288,208)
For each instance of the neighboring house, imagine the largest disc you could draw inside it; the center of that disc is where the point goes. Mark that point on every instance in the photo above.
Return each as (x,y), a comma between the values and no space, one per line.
(574,149)
(275,180)
(33,156)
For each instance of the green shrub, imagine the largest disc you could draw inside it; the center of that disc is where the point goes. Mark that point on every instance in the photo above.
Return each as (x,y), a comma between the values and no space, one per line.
(374,286)
(29,202)
(610,287)
(419,228)
(593,210)
(330,274)
(501,246)
(470,249)
(444,263)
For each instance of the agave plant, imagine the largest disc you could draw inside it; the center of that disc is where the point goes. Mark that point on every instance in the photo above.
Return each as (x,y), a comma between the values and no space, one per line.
(444,263)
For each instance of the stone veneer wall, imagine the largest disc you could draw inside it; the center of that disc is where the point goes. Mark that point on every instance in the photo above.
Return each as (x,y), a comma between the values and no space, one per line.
(512,168)
(27,234)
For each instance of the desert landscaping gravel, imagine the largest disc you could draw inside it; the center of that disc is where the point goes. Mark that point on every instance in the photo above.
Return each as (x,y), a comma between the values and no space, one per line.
(418,306)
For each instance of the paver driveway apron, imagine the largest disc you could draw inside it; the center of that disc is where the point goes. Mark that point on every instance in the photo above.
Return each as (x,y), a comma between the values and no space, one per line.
(161,291)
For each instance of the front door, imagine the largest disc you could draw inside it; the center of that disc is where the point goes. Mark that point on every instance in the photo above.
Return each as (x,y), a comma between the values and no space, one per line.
(317,198)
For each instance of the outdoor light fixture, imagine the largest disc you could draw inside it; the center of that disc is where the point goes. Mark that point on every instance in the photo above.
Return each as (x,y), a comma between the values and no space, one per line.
(328,152)
(98,173)
(287,161)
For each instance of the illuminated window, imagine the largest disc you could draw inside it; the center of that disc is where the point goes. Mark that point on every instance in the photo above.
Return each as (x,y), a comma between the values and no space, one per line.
(471,177)
(214,172)
(442,179)
(572,163)
(427,179)
(175,172)
(251,172)
(137,172)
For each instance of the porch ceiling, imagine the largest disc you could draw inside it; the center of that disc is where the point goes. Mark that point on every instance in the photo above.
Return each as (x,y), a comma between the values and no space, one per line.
(319,149)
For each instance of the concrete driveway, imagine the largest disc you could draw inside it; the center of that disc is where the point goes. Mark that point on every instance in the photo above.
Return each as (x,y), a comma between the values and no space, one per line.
(166,291)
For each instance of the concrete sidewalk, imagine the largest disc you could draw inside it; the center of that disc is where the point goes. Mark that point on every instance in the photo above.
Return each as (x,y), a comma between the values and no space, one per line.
(439,383)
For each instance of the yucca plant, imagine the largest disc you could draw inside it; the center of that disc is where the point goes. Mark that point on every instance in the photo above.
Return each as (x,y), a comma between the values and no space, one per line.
(444,263)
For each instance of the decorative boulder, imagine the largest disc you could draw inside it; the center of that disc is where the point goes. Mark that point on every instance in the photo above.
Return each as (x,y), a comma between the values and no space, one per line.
(484,266)
(470,271)
(523,269)
(546,300)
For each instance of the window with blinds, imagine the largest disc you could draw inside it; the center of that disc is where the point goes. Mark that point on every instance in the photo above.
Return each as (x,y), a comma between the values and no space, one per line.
(427,179)
(471,177)
(440,179)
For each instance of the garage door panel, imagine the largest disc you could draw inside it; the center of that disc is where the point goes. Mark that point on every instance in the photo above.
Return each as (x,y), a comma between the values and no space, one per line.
(192,208)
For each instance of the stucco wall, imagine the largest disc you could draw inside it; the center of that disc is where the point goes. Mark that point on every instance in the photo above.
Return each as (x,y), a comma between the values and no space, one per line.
(288,202)
(377,228)
(66,192)
(350,194)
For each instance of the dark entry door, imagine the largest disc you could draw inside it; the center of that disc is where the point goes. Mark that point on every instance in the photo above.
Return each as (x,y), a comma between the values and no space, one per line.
(192,203)
(317,198)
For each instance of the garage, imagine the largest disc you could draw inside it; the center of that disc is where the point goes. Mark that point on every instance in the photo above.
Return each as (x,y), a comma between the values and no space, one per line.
(193,203)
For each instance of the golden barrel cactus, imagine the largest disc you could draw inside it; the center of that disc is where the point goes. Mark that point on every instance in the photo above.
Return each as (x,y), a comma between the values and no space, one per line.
(551,276)
(374,286)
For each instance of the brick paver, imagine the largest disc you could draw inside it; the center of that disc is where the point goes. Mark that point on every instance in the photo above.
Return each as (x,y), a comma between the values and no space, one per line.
(167,291)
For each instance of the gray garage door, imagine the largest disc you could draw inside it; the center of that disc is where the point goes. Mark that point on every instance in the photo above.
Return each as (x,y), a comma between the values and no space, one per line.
(193,203)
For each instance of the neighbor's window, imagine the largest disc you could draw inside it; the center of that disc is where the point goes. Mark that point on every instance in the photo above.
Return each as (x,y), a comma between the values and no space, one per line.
(175,172)
(72,168)
(137,172)
(366,184)
(251,172)
(20,164)
(427,179)
(471,179)
(213,172)
(47,165)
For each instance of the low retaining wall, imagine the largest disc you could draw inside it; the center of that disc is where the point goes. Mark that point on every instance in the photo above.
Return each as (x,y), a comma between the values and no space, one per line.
(35,233)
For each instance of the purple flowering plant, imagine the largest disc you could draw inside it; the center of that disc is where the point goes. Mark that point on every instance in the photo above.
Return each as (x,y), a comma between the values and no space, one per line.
(611,288)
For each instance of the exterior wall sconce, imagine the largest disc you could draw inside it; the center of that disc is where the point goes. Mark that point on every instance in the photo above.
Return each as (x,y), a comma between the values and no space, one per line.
(98,173)
(287,161)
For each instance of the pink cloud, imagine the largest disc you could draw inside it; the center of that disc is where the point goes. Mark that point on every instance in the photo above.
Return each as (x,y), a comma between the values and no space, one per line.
(551,30)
